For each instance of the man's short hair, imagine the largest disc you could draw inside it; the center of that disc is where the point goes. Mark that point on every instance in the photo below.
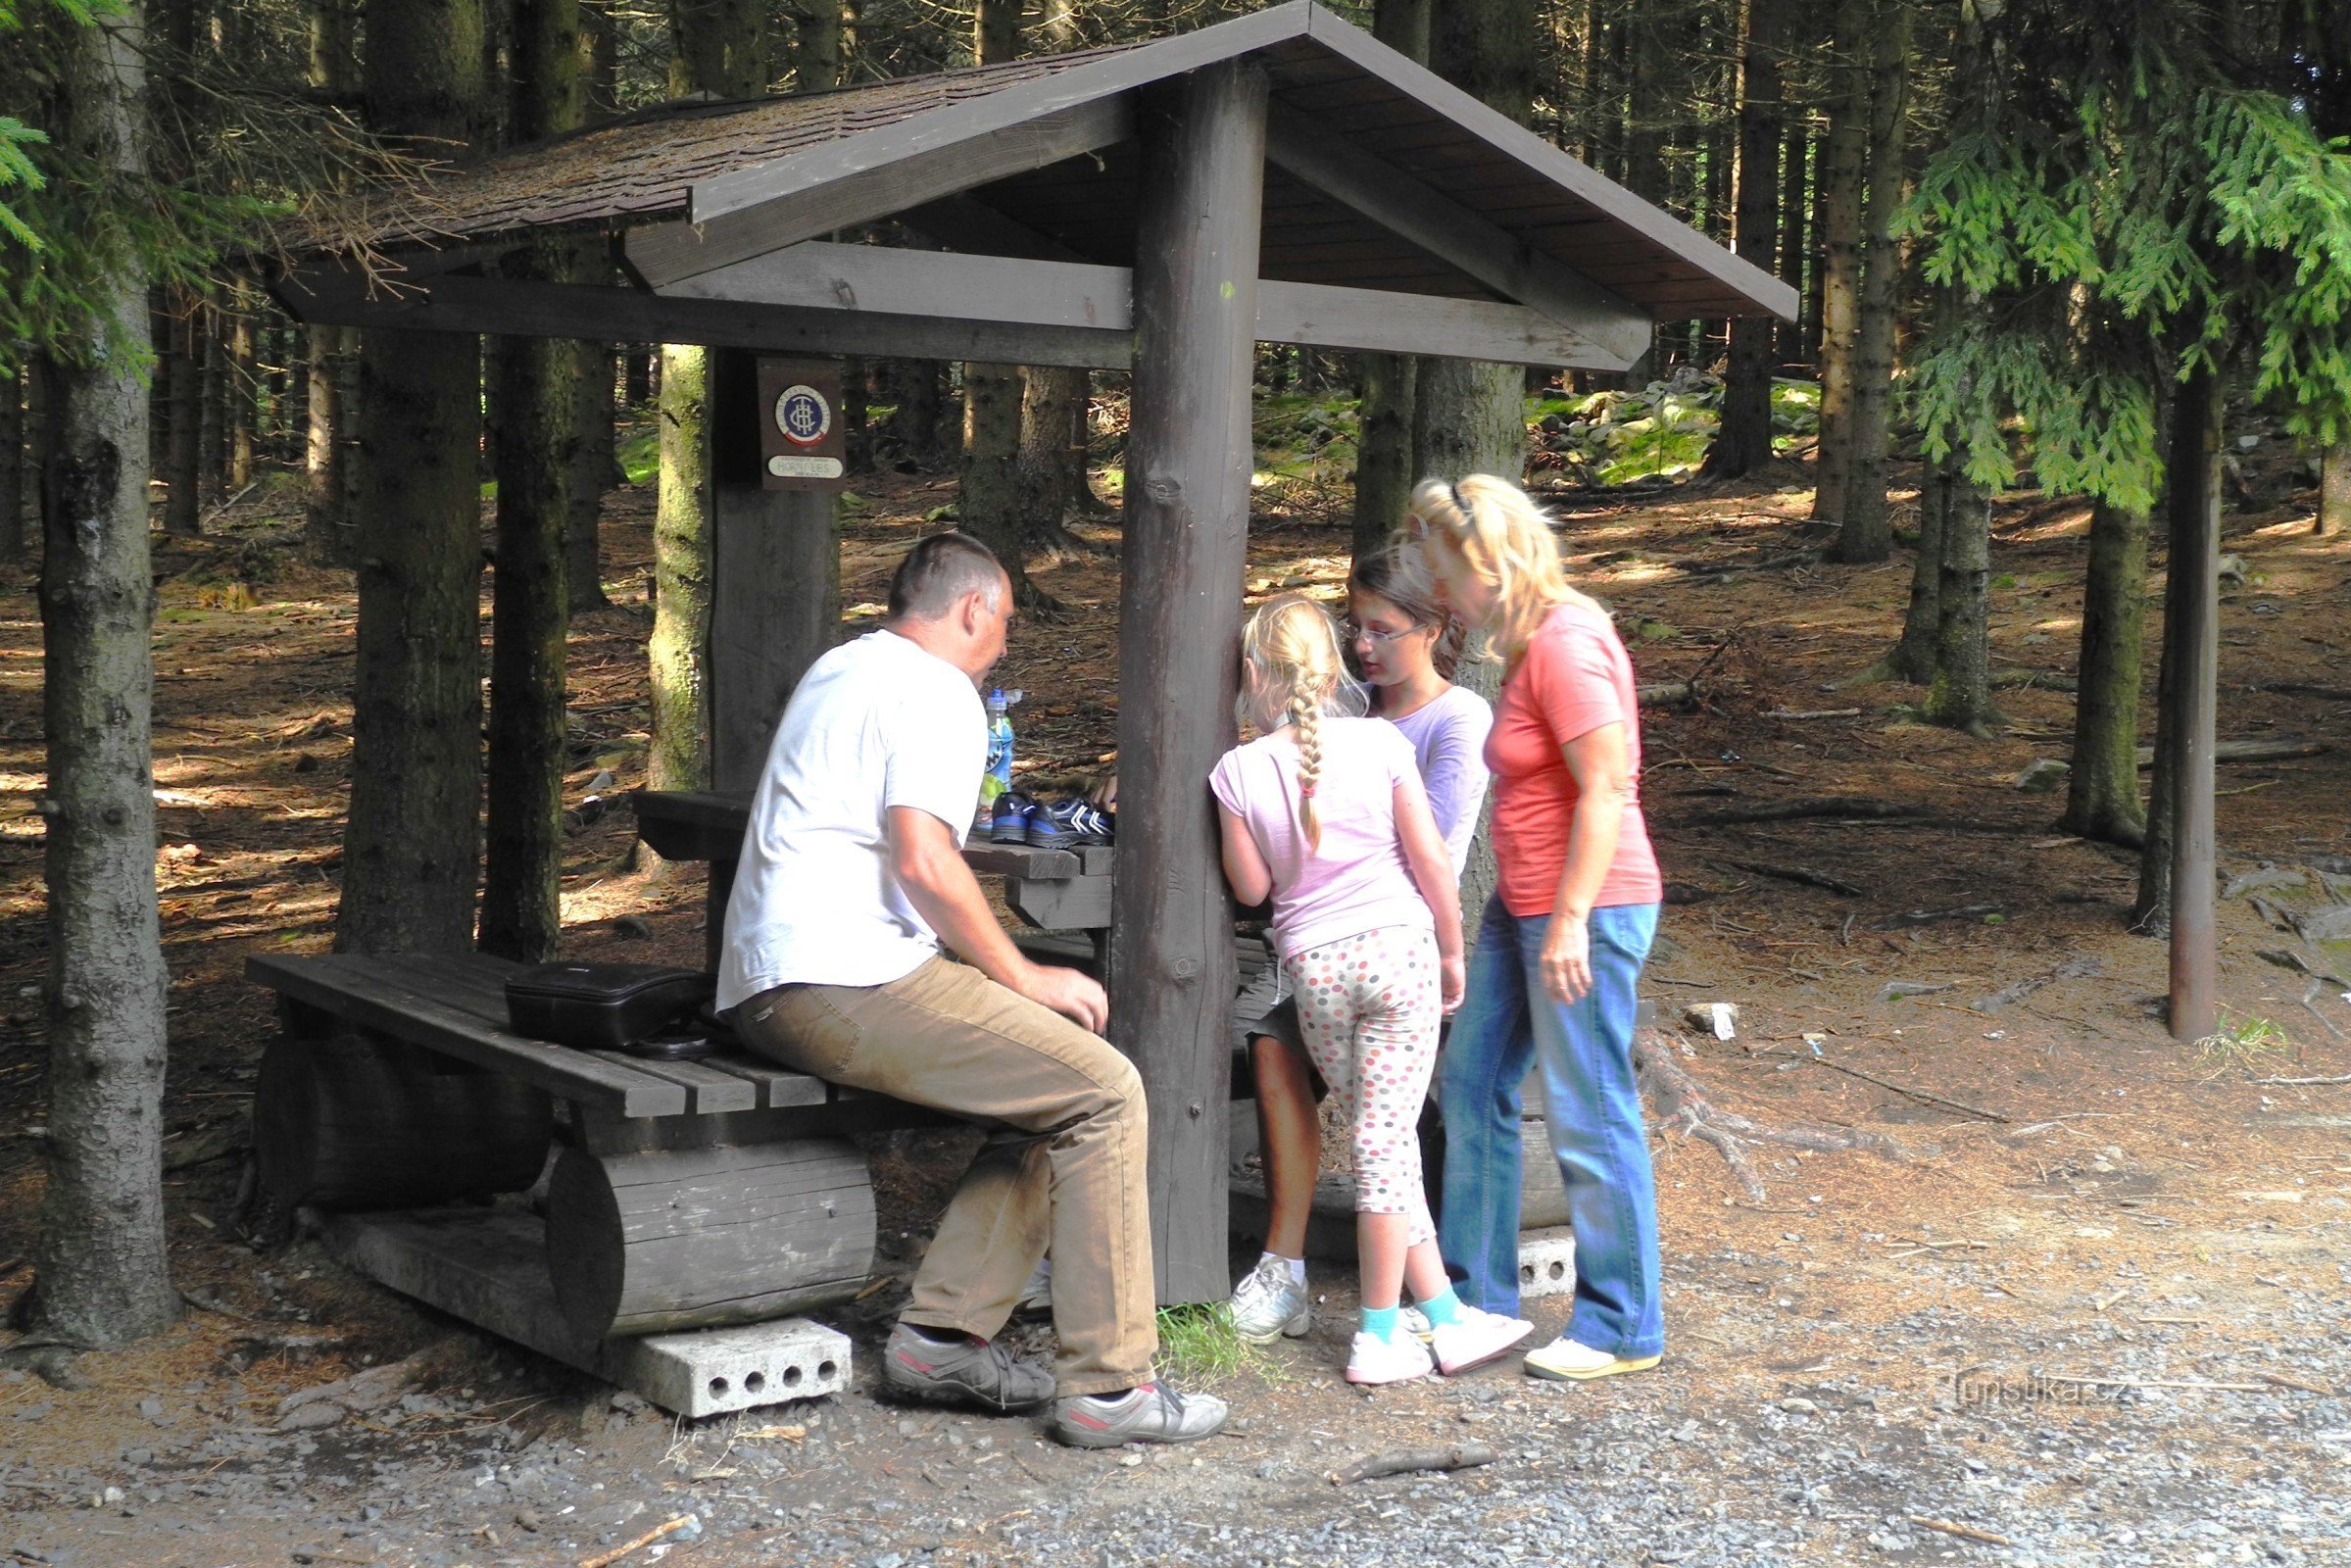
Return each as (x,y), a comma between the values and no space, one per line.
(939,571)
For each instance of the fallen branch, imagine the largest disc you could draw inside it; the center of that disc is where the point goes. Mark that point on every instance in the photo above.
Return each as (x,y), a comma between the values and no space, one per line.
(1963,1532)
(2055,680)
(1814,712)
(1665,693)
(1679,1103)
(1798,874)
(1811,805)
(607,1559)
(1404,1461)
(2248,750)
(1965,911)
(2306,1083)
(2153,1383)
(1903,1088)
(2287,959)
(2299,688)
(2296,1383)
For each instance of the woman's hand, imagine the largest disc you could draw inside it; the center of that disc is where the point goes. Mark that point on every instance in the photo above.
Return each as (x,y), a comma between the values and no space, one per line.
(1452,983)
(1567,958)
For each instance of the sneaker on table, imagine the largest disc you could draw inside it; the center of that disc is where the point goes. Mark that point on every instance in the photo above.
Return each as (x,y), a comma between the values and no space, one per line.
(1012,822)
(1269,1302)
(1474,1338)
(1151,1413)
(1372,1359)
(1568,1360)
(962,1371)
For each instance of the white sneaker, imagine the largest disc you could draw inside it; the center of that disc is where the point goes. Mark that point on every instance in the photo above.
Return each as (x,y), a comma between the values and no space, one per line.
(1568,1360)
(1398,1360)
(1476,1337)
(1037,1295)
(1416,1322)
(1268,1303)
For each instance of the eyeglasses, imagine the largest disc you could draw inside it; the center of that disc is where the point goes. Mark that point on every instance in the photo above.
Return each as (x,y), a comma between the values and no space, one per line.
(1358,633)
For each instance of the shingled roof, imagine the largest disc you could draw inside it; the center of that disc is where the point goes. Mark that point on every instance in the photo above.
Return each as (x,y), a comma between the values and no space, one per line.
(1328,77)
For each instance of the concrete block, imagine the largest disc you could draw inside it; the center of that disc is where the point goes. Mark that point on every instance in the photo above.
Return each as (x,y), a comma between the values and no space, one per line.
(1547,1263)
(716,1371)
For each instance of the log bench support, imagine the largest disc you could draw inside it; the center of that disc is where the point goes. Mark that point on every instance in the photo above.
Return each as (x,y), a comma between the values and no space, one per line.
(714,1195)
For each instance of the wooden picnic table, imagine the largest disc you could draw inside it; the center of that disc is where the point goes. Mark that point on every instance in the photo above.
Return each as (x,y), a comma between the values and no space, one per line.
(1052,890)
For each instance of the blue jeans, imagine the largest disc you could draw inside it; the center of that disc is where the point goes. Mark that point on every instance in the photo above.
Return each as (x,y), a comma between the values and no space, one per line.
(1506,1021)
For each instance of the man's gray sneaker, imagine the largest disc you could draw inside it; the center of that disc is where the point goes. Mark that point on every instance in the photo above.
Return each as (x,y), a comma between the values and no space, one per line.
(1151,1413)
(968,1371)
(1268,1303)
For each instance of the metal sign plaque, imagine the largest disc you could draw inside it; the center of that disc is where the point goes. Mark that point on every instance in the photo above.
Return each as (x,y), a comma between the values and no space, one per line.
(800,438)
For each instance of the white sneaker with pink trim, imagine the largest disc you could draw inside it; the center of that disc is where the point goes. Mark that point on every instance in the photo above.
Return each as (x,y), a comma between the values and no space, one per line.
(1398,1360)
(1476,1337)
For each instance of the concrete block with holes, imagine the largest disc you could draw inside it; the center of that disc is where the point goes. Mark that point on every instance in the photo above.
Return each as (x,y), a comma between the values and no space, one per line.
(717,1371)
(1547,1262)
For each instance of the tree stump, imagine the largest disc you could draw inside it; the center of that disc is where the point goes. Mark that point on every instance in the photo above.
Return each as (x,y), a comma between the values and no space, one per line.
(699,1238)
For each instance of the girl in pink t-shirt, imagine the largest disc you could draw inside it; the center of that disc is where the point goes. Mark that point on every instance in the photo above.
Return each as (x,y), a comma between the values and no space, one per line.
(1327,814)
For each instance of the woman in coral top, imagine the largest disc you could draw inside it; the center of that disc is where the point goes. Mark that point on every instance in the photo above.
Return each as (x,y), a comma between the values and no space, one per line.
(1562,941)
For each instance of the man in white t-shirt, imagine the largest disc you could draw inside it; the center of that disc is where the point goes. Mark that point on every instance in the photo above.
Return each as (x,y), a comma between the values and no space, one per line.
(852,877)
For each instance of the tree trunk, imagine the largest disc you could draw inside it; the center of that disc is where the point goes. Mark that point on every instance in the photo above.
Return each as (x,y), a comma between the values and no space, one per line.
(2102,788)
(537,410)
(325,457)
(679,648)
(101,1272)
(242,386)
(987,507)
(1795,205)
(1840,269)
(183,419)
(409,849)
(593,468)
(2192,629)
(1960,695)
(2335,491)
(1913,659)
(1470,418)
(1866,533)
(1384,425)
(1744,443)
(1384,469)
(212,445)
(718,50)
(816,59)
(1050,468)
(11,464)
(917,418)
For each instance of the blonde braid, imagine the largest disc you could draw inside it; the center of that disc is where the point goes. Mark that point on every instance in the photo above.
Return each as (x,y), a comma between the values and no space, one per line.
(1306,716)
(1291,647)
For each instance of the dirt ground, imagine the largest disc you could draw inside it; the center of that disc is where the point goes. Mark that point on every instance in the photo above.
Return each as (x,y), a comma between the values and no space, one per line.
(2155,1232)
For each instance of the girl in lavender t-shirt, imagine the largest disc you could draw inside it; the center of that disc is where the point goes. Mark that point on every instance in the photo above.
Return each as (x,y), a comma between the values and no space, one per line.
(1327,814)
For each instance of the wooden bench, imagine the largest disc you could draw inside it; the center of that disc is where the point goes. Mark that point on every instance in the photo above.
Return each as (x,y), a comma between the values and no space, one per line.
(686,1195)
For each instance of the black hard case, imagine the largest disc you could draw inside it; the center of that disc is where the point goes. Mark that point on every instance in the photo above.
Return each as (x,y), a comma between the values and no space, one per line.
(602,1007)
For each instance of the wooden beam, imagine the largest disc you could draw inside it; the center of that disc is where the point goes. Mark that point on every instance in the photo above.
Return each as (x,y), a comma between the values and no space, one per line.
(1081,296)
(1436,223)
(331,296)
(862,178)
(1171,978)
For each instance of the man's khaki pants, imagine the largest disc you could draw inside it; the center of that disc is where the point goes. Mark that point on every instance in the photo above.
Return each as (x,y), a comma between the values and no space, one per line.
(950,1038)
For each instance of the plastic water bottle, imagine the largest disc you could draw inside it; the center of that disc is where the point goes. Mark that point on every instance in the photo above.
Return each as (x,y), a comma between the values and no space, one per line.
(997,781)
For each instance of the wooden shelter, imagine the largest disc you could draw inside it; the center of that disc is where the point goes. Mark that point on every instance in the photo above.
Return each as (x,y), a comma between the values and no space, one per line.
(1161,207)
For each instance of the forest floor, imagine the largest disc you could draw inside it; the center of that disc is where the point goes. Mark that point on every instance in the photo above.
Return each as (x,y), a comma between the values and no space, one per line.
(2160,1235)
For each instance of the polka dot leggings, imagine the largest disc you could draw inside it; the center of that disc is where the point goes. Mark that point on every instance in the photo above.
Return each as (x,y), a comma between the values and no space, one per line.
(1369,1008)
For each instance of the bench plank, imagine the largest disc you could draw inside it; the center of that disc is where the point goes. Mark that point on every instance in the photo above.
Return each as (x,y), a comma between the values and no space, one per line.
(779,1086)
(359,989)
(708,1089)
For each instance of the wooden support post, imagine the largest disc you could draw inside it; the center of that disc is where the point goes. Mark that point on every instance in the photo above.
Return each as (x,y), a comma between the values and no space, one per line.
(2192,617)
(775,593)
(1186,535)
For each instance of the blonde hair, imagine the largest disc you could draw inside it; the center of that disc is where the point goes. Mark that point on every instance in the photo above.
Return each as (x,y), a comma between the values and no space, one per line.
(1293,648)
(1491,526)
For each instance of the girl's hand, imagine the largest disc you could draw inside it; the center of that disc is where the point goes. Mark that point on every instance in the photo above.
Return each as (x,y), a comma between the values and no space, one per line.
(1567,958)
(1104,795)
(1452,983)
